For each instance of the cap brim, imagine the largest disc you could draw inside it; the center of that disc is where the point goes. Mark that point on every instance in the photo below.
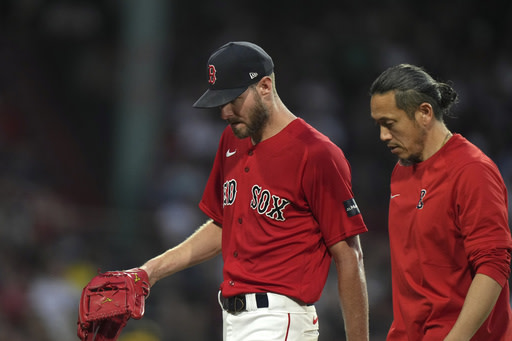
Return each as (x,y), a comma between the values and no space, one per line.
(216,98)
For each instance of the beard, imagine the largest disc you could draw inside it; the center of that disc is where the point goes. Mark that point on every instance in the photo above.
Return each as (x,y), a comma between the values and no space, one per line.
(411,160)
(258,118)
(416,156)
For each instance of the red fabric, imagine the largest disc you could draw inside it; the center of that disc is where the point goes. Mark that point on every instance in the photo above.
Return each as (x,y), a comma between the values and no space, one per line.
(448,220)
(281,205)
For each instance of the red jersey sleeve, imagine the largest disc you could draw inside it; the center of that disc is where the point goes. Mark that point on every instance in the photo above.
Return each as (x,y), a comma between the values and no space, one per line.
(328,189)
(482,207)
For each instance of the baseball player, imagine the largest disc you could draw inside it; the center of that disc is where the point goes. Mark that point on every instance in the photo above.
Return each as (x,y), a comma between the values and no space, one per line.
(448,225)
(281,207)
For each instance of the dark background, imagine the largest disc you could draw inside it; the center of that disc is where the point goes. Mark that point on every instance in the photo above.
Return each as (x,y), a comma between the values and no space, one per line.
(103,160)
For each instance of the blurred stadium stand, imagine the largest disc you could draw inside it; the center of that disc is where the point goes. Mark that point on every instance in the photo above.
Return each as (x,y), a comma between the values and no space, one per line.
(96,116)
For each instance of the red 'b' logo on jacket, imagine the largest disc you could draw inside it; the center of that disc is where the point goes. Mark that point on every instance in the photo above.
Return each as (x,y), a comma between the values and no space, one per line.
(212,74)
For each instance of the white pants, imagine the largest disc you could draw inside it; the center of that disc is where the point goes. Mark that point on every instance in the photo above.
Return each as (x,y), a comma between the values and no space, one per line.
(283,320)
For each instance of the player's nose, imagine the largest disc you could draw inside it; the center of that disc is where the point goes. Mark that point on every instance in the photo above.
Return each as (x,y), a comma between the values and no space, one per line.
(385,135)
(226,111)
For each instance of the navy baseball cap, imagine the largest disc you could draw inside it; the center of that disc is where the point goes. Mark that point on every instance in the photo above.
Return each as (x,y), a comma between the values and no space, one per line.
(231,69)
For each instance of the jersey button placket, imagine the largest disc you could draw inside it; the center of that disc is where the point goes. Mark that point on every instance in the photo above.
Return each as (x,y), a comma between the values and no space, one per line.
(235,253)
(250,153)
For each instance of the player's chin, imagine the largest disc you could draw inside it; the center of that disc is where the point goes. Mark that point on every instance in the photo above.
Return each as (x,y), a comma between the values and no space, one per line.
(410,159)
(239,130)
(401,154)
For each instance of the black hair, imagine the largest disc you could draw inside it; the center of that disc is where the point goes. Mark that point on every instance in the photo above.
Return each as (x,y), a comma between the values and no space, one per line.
(413,86)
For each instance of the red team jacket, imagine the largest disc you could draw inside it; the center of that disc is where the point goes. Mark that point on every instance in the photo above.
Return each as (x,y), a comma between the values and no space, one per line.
(448,220)
(281,204)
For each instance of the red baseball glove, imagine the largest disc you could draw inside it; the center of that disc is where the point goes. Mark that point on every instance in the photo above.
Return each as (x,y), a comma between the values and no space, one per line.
(108,301)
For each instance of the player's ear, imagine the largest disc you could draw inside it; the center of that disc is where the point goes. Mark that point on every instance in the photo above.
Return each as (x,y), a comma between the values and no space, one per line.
(264,86)
(425,113)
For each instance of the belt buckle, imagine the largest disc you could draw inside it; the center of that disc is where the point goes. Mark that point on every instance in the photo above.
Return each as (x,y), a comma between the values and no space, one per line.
(234,304)
(238,304)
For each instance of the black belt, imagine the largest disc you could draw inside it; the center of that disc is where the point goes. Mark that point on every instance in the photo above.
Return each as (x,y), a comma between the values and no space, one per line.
(235,304)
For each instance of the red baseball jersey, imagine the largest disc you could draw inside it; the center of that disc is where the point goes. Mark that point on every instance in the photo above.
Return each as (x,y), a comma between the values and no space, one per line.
(281,204)
(448,220)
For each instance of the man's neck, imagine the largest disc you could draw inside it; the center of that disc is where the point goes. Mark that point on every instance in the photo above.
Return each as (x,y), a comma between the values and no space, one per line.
(438,138)
(280,117)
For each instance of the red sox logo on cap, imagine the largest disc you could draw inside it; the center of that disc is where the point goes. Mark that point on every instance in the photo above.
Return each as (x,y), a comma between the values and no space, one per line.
(241,64)
(212,74)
